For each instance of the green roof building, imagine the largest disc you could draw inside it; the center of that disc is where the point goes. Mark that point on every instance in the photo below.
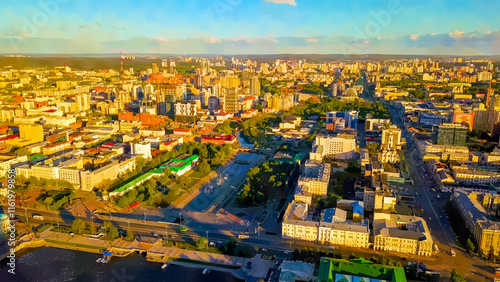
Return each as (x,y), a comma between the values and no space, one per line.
(180,165)
(333,270)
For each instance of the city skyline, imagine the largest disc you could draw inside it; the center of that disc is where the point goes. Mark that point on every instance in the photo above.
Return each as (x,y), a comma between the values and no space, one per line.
(251,27)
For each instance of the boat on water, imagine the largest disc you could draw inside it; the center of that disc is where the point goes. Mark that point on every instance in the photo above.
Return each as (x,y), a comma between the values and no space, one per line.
(98,259)
(206,271)
(165,265)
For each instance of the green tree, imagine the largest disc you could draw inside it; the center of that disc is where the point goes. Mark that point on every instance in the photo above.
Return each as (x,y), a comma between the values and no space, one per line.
(130,236)
(183,181)
(470,246)
(456,277)
(78,226)
(21,152)
(204,167)
(201,243)
(111,230)
(140,164)
(48,201)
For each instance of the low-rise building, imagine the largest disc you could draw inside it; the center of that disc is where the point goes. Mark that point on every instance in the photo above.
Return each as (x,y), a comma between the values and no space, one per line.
(402,233)
(315,178)
(331,269)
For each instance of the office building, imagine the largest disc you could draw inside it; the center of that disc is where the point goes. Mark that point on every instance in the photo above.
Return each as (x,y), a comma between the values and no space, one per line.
(315,178)
(391,138)
(450,134)
(142,148)
(255,86)
(402,233)
(341,146)
(231,104)
(348,120)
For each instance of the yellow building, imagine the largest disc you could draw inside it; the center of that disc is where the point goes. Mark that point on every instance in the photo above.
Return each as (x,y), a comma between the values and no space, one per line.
(315,178)
(487,235)
(295,225)
(401,233)
(32,132)
(344,234)
(5,223)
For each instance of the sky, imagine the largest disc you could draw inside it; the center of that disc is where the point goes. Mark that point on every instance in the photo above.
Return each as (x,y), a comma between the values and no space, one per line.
(420,27)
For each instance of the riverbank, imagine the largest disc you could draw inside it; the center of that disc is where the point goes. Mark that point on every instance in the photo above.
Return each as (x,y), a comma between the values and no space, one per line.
(153,252)
(57,264)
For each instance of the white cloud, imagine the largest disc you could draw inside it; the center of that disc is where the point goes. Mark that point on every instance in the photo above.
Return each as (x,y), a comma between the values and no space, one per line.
(161,38)
(312,40)
(414,37)
(456,34)
(211,39)
(288,2)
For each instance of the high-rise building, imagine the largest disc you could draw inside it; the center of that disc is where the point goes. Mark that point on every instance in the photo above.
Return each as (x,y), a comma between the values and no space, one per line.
(334,91)
(450,134)
(255,86)
(467,118)
(231,104)
(391,138)
(83,101)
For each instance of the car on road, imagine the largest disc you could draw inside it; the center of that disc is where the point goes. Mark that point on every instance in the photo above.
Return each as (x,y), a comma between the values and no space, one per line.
(38,216)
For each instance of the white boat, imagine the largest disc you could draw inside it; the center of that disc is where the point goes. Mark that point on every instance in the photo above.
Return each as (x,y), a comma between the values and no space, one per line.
(206,271)
(165,265)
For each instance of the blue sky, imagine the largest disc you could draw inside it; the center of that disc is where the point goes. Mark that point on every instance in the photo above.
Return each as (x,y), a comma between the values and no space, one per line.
(251,26)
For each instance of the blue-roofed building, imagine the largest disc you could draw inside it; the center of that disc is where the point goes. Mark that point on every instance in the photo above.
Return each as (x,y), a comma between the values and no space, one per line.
(333,215)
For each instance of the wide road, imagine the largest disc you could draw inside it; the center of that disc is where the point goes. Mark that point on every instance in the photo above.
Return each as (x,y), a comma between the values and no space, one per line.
(423,185)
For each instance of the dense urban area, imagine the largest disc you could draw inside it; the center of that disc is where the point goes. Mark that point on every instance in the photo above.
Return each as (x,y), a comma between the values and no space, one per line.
(271,169)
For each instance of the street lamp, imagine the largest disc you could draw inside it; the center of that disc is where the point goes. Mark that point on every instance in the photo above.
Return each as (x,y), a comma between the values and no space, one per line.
(207,238)
(57,217)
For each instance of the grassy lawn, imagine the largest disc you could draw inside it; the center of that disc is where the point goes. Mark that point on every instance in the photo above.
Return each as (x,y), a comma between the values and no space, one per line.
(43,228)
(62,229)
(197,174)
(73,244)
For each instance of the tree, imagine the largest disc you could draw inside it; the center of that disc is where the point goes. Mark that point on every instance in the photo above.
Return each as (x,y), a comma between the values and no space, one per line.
(470,246)
(130,236)
(21,152)
(204,167)
(201,243)
(78,226)
(183,181)
(48,201)
(111,229)
(140,164)
(456,277)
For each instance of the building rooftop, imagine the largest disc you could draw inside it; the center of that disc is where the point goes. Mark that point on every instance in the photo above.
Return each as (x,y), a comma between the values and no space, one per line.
(335,269)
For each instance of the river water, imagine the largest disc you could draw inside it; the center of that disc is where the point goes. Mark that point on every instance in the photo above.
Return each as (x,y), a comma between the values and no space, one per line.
(58,265)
